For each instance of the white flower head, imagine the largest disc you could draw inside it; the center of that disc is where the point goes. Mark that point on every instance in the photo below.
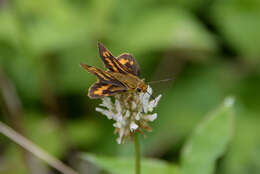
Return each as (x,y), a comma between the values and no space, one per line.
(131,112)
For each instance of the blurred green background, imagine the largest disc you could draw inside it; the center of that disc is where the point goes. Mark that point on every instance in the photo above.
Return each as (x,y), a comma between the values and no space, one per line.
(210,47)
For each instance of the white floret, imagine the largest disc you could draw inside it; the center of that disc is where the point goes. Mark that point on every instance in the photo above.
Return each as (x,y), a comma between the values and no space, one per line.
(130,116)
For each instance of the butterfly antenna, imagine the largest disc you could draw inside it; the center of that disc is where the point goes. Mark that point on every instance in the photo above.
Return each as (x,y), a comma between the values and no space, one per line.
(158,81)
(151,95)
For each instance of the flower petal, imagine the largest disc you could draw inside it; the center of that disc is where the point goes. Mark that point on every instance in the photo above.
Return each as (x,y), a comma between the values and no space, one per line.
(133,126)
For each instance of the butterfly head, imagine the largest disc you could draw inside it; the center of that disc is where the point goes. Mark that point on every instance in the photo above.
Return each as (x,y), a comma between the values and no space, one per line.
(141,87)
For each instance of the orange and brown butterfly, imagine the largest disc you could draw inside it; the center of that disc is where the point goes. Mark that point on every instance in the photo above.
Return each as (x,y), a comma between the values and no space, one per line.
(122,75)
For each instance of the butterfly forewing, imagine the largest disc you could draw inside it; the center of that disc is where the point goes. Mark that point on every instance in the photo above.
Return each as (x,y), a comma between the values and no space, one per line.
(129,61)
(103,76)
(110,61)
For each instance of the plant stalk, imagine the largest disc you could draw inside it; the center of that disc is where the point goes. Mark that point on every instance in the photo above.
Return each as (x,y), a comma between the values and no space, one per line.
(34,149)
(137,155)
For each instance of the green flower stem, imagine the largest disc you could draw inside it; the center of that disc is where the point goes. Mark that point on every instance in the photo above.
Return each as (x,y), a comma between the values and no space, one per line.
(137,155)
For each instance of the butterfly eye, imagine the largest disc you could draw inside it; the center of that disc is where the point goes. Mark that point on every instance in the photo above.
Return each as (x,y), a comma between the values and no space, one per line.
(138,89)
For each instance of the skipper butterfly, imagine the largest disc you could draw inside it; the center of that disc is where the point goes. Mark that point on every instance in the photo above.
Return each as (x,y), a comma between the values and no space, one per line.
(122,75)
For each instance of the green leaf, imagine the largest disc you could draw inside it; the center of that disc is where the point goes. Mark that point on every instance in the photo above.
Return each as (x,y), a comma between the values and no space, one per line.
(13,156)
(165,29)
(244,152)
(46,25)
(179,110)
(194,5)
(126,165)
(83,132)
(209,141)
(45,132)
(238,22)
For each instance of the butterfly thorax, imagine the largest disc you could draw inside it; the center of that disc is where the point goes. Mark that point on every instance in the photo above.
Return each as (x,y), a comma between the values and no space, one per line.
(130,81)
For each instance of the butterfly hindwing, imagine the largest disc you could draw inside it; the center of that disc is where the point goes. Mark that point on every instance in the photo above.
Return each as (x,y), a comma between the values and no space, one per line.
(103,76)
(100,89)
(129,61)
(110,61)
